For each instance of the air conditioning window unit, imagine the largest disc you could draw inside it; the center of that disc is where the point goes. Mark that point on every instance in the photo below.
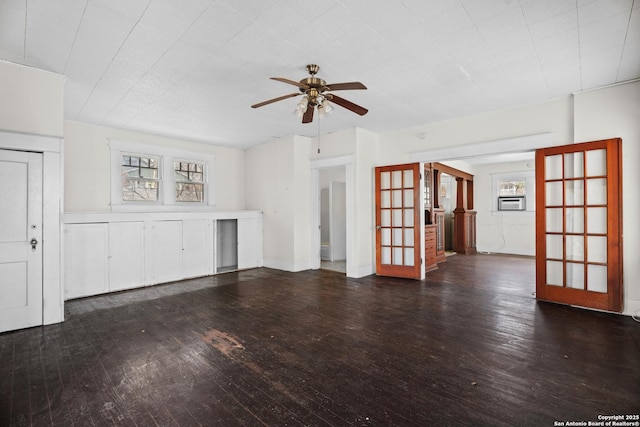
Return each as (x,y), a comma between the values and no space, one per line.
(511,203)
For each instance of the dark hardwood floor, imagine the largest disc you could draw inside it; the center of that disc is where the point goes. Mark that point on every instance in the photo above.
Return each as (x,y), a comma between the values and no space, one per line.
(468,346)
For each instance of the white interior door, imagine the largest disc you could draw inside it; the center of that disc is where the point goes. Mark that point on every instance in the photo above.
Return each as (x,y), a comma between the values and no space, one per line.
(20,240)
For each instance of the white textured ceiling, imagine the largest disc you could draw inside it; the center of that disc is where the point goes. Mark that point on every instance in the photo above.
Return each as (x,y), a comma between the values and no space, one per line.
(191,69)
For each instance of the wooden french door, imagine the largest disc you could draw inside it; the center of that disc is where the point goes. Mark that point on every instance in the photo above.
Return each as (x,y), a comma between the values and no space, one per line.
(398,247)
(579,224)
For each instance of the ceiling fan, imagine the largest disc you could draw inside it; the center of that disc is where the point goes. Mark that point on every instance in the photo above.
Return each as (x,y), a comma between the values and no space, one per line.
(316,94)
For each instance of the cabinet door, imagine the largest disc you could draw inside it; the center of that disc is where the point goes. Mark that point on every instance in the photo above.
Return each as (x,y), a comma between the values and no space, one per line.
(163,241)
(126,255)
(197,248)
(249,242)
(85,260)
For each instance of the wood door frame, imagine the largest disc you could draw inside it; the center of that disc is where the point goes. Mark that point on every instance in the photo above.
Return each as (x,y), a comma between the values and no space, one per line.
(613,299)
(52,205)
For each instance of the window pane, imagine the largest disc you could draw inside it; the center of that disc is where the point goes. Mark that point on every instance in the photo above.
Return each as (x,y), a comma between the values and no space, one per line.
(575,248)
(596,162)
(574,192)
(139,190)
(189,192)
(597,191)
(408,198)
(575,275)
(554,246)
(597,249)
(408,179)
(511,188)
(597,220)
(385,180)
(386,236)
(575,220)
(397,256)
(144,163)
(554,220)
(135,161)
(396,179)
(554,273)
(553,167)
(553,193)
(408,256)
(597,278)
(573,165)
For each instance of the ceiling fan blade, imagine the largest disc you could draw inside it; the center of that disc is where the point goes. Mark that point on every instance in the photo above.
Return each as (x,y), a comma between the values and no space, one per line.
(348,105)
(291,82)
(280,98)
(308,115)
(346,86)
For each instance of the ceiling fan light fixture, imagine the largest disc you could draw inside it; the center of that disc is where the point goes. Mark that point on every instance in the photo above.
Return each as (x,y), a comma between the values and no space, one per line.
(324,107)
(301,107)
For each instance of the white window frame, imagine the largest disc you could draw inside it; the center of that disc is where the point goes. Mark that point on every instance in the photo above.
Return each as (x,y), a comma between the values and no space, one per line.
(205,181)
(166,199)
(529,178)
(158,180)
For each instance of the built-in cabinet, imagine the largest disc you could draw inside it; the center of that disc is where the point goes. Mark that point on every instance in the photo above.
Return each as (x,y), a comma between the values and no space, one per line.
(112,252)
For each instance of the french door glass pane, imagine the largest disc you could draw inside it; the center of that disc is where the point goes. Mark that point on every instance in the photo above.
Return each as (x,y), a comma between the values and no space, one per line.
(385,199)
(408,237)
(397,236)
(408,178)
(408,198)
(596,162)
(385,236)
(553,193)
(597,191)
(554,273)
(386,255)
(397,199)
(553,167)
(554,246)
(554,220)
(574,165)
(385,218)
(397,218)
(596,220)
(575,275)
(597,249)
(408,217)
(397,256)
(396,179)
(575,248)
(385,180)
(574,192)
(575,220)
(597,278)
(408,256)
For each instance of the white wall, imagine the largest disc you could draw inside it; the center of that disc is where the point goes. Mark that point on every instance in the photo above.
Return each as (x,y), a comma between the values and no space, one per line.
(610,113)
(87,166)
(502,232)
(31,100)
(278,180)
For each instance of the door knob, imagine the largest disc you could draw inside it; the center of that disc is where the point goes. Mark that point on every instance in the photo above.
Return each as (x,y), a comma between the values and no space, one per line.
(34,243)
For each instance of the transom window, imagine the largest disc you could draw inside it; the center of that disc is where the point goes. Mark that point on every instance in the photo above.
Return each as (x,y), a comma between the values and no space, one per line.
(140,178)
(190,181)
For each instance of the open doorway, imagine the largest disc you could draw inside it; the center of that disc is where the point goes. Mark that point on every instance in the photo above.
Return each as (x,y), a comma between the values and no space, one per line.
(333,219)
